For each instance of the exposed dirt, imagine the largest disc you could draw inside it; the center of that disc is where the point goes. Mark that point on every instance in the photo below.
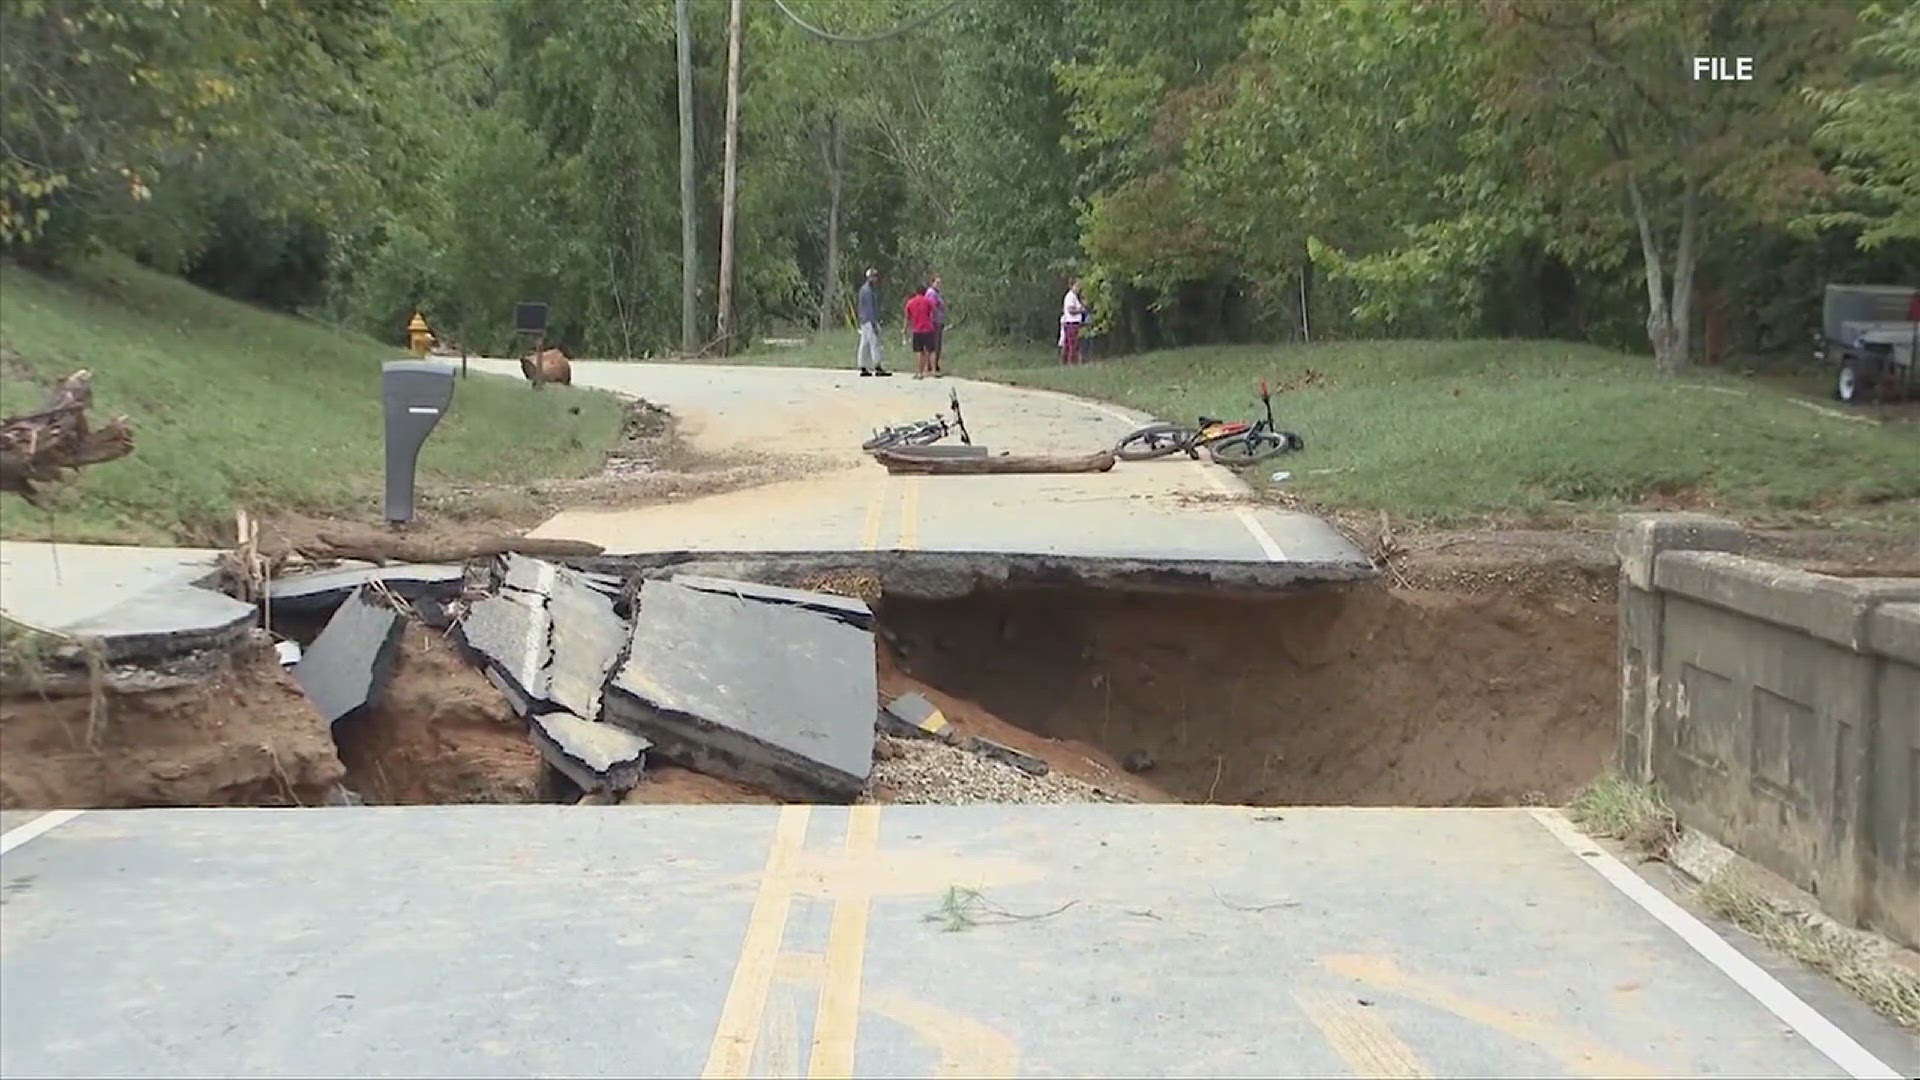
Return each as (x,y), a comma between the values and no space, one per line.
(673,784)
(243,735)
(440,734)
(1363,696)
(1069,757)
(1567,559)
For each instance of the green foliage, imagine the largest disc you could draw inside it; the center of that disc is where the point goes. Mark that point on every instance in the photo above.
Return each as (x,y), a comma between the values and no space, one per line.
(108,105)
(1216,170)
(1873,125)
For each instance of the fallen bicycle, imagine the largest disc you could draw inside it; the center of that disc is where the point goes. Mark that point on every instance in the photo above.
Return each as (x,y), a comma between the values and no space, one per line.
(922,432)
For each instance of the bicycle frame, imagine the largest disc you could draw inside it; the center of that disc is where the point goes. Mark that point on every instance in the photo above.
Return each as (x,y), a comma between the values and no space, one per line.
(939,426)
(1212,430)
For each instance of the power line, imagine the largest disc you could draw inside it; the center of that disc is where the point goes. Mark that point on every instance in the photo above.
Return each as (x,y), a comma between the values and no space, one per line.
(882,36)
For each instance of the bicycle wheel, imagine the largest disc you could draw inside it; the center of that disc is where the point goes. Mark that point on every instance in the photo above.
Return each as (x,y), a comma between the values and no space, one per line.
(1154,440)
(1237,450)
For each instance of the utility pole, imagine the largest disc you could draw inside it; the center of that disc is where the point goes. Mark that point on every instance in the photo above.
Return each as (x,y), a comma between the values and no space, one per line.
(725,328)
(689,255)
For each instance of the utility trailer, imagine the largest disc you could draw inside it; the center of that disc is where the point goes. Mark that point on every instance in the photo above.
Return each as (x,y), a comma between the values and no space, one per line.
(1870,337)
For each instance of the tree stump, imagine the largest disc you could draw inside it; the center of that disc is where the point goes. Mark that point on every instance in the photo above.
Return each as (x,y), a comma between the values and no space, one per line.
(42,447)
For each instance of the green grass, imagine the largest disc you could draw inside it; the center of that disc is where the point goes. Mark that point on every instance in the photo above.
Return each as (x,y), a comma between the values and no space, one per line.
(234,406)
(1620,809)
(1851,958)
(1476,432)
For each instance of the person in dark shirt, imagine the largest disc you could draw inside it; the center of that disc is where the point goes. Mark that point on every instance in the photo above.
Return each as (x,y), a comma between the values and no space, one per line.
(867,353)
(920,321)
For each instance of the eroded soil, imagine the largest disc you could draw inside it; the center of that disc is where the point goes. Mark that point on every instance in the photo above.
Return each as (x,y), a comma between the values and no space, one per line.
(244,735)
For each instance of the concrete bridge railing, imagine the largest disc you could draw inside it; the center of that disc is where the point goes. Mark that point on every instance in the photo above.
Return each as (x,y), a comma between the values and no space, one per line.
(1778,711)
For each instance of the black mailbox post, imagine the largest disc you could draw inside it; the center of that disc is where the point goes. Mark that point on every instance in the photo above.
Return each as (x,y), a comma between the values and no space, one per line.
(416,394)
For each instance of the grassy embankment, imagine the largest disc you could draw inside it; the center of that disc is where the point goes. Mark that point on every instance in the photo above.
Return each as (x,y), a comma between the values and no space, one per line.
(1456,433)
(234,406)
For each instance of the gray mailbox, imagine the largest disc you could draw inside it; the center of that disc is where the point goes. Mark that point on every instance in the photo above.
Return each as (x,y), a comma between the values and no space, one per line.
(416,393)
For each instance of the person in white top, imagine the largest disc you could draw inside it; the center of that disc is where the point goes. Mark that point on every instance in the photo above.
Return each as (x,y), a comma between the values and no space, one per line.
(1072,314)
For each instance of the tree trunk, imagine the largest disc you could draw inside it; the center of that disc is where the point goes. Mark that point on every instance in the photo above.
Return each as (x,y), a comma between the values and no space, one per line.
(1659,318)
(1680,308)
(689,253)
(730,176)
(830,287)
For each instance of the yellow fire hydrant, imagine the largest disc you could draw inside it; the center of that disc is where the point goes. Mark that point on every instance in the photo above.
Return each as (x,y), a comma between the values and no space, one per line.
(419,337)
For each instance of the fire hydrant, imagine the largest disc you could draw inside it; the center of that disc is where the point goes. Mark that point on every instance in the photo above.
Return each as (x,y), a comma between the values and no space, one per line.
(419,337)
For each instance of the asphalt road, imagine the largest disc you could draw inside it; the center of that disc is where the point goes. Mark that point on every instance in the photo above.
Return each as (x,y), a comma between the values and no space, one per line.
(1172,508)
(908,941)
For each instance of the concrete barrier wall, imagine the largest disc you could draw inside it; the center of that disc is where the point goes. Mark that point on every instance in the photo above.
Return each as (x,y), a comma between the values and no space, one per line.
(1778,711)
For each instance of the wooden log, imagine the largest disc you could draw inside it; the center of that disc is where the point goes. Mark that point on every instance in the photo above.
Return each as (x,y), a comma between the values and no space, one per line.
(386,549)
(905,461)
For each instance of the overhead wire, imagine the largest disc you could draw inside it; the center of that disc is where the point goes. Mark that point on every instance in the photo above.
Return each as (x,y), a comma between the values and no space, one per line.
(846,39)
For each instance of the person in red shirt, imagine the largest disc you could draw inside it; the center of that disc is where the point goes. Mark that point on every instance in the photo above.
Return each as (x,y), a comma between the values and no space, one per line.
(920,321)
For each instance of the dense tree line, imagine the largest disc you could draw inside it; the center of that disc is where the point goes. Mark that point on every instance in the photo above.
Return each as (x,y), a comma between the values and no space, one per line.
(1215,169)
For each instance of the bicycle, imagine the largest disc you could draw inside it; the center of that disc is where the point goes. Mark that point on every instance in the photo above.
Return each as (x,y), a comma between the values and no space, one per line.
(922,432)
(1232,443)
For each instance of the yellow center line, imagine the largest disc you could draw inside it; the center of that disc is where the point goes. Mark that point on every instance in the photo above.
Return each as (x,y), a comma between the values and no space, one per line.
(870,531)
(910,513)
(731,1053)
(1361,1038)
(838,1018)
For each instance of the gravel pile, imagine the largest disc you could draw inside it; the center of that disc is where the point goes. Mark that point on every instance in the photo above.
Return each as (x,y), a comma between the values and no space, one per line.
(924,771)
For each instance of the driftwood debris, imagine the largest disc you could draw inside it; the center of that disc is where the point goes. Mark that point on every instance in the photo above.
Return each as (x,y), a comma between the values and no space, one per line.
(41,447)
(401,549)
(906,461)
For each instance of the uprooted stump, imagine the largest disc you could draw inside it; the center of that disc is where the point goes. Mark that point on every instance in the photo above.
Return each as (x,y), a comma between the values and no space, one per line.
(41,447)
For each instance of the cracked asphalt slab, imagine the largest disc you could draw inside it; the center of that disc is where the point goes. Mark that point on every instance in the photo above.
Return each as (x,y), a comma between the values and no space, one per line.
(1173,508)
(989,941)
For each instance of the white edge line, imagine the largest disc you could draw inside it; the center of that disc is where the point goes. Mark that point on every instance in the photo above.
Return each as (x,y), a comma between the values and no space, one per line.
(1258,531)
(45,823)
(1261,536)
(1826,1037)
(1268,547)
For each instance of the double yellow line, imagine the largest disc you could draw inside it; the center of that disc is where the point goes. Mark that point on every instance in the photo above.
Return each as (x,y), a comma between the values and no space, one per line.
(836,1023)
(909,513)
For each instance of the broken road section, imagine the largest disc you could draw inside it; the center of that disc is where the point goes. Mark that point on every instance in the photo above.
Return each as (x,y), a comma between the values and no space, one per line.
(595,756)
(746,683)
(345,668)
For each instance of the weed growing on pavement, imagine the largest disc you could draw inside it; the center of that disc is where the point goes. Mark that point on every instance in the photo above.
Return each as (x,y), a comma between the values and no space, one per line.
(1619,809)
(963,909)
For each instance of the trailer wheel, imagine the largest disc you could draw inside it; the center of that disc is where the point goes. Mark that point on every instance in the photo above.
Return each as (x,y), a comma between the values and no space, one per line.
(1851,386)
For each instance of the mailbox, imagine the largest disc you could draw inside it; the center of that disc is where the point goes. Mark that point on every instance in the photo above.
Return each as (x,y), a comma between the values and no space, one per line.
(416,393)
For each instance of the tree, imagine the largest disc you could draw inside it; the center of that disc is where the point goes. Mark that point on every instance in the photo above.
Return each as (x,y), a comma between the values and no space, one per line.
(104,106)
(1604,90)
(1873,127)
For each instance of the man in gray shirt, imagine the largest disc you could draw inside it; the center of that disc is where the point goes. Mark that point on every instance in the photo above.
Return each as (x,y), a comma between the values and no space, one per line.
(867,354)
